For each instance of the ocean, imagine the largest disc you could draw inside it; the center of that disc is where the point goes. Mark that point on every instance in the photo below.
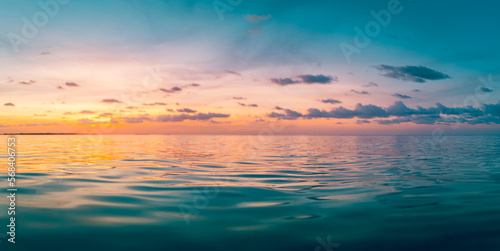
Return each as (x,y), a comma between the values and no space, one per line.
(164,192)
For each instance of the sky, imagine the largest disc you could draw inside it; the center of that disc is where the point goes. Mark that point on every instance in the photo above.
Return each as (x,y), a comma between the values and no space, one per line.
(250,67)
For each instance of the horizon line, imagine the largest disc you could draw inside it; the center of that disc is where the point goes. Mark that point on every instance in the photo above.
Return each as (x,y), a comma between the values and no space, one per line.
(205,134)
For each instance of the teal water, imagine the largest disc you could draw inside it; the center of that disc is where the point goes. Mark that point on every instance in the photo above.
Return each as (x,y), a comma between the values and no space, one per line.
(256,193)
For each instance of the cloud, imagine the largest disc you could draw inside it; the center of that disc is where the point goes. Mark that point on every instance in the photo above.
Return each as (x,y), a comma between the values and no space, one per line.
(485,89)
(187,110)
(153,104)
(106,114)
(401,96)
(360,92)
(239,98)
(171,90)
(370,84)
(232,72)
(364,121)
(9,104)
(305,79)
(59,87)
(68,113)
(137,120)
(110,100)
(458,110)
(185,86)
(331,101)
(72,84)
(45,53)
(289,115)
(399,109)
(284,81)
(257,18)
(419,74)
(360,111)
(486,114)
(182,117)
(85,122)
(417,119)
(278,108)
(215,122)
(317,79)
(250,105)
(87,112)
(28,82)
(416,90)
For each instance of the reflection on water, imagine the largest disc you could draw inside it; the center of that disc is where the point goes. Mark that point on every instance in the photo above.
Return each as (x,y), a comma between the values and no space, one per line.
(257,193)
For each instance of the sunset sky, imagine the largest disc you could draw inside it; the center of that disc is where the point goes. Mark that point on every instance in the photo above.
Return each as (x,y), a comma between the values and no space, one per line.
(209,67)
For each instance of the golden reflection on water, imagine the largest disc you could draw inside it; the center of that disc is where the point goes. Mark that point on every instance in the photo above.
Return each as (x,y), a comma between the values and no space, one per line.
(74,167)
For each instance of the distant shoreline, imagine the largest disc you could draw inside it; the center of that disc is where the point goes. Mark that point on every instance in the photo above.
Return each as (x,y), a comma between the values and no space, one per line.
(348,135)
(41,134)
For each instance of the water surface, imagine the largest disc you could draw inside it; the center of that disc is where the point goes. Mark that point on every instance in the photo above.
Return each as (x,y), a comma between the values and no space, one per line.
(256,193)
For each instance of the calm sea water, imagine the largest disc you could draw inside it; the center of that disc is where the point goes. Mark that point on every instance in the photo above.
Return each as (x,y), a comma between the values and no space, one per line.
(256,193)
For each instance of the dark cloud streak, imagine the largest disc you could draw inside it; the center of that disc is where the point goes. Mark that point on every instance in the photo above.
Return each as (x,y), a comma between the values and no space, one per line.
(401,96)
(419,74)
(331,101)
